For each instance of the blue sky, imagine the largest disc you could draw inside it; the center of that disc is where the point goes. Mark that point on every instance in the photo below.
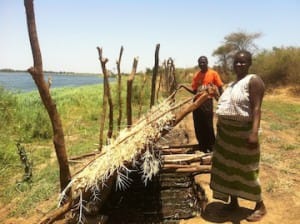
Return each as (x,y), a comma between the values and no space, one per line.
(70,30)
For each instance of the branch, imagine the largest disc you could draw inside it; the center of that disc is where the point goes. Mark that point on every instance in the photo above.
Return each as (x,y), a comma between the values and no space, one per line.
(119,89)
(186,168)
(106,98)
(129,91)
(38,77)
(155,71)
(56,214)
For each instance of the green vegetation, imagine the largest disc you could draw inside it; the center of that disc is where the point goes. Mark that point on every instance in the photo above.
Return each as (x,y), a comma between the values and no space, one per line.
(285,113)
(280,133)
(23,119)
(280,66)
(282,117)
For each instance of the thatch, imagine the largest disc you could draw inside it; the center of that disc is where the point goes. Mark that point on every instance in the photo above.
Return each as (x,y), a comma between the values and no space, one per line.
(126,148)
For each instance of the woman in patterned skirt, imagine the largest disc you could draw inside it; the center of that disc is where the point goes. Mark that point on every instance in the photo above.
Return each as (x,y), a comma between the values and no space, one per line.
(235,163)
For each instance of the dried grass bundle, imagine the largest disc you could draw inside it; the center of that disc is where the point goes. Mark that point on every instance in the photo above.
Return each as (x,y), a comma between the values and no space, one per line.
(126,148)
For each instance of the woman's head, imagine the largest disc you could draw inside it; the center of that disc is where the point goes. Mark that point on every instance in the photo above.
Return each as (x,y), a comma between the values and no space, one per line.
(241,63)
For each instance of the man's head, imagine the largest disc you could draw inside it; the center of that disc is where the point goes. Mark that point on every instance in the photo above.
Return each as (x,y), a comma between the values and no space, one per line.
(242,61)
(203,63)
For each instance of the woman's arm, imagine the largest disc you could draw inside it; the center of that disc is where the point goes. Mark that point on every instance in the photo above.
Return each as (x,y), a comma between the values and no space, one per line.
(256,92)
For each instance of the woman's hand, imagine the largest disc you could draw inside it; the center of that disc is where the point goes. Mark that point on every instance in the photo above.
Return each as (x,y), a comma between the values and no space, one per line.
(253,141)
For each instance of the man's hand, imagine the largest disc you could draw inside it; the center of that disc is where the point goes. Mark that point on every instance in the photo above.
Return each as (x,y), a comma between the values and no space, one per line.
(213,91)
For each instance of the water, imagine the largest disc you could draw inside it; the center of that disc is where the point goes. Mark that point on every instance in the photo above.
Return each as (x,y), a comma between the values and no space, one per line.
(23,82)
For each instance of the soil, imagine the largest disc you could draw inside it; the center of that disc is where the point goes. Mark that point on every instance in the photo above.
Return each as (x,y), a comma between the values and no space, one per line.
(280,185)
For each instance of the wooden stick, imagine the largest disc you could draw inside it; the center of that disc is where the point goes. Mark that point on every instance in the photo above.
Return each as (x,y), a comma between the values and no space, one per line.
(155,71)
(179,146)
(85,155)
(187,169)
(119,88)
(38,76)
(176,166)
(206,160)
(56,214)
(174,151)
(129,92)
(181,158)
(104,100)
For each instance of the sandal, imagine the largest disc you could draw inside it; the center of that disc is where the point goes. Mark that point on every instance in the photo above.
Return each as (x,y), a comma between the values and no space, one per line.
(256,216)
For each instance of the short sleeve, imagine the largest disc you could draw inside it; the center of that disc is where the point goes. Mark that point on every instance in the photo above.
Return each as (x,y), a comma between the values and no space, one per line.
(195,81)
(217,80)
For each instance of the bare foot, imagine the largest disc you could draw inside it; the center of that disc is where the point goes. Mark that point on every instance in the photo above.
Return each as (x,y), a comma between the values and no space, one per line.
(256,216)
(259,212)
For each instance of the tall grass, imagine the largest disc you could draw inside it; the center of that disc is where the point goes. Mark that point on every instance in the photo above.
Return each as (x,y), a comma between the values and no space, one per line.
(24,119)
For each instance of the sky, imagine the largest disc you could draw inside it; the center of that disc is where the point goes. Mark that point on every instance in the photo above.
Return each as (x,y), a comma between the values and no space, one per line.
(70,30)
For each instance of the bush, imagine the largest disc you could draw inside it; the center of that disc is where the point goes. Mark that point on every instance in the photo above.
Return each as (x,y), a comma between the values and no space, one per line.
(7,110)
(33,120)
(279,66)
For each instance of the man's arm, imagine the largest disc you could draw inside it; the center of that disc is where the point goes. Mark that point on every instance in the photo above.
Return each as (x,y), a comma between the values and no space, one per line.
(218,82)
(220,90)
(187,88)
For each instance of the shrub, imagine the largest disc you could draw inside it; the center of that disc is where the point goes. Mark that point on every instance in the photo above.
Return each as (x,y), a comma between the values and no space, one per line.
(279,66)
(7,107)
(33,120)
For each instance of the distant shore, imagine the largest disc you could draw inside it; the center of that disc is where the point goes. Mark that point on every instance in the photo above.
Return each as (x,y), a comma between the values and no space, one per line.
(22,81)
(50,72)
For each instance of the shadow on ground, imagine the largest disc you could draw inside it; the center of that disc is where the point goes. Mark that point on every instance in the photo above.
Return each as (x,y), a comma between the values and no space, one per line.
(214,213)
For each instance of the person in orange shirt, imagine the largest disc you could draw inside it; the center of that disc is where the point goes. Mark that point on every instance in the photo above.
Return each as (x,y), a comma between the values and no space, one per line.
(203,116)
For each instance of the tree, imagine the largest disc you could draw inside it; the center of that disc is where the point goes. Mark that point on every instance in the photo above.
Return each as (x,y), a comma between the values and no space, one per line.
(242,41)
(223,54)
(234,42)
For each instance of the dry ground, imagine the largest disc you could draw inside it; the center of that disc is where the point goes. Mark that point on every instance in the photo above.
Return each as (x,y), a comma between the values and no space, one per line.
(280,183)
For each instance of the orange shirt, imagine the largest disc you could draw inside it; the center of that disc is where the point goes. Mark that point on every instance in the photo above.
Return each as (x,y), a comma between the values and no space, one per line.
(209,77)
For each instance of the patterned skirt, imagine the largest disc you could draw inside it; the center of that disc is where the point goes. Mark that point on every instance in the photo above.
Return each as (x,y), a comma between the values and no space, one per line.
(235,167)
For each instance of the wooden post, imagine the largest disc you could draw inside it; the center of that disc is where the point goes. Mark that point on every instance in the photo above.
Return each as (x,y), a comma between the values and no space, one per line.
(171,76)
(37,74)
(155,71)
(129,92)
(159,82)
(106,98)
(119,89)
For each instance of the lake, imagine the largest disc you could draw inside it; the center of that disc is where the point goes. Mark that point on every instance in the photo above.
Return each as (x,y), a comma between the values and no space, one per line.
(23,82)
